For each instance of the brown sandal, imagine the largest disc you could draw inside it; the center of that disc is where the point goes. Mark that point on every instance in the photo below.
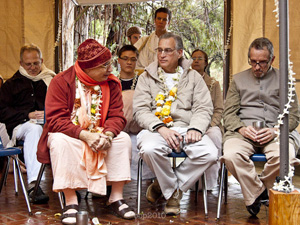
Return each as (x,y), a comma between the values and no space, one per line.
(69,215)
(121,213)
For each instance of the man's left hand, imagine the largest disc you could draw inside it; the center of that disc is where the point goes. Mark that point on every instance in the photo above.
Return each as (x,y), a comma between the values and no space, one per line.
(265,135)
(193,136)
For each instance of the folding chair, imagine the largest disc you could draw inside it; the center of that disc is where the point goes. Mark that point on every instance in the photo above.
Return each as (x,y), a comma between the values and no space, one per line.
(258,157)
(174,155)
(13,153)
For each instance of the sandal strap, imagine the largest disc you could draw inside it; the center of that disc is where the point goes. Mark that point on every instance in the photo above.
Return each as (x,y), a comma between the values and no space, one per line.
(67,215)
(74,206)
(116,205)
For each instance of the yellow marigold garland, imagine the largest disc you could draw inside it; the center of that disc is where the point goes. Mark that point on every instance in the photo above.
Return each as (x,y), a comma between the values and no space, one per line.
(165,99)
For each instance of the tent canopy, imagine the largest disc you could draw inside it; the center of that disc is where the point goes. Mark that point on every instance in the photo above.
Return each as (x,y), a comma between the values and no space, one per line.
(100,2)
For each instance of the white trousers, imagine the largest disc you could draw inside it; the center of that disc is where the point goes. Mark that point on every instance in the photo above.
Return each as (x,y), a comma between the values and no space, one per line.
(147,173)
(30,133)
(3,134)
(154,150)
(212,173)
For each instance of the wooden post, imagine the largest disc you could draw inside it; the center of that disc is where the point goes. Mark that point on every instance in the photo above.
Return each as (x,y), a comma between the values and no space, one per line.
(284,208)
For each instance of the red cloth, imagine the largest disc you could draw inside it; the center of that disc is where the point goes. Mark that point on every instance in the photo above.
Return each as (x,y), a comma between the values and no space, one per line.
(59,105)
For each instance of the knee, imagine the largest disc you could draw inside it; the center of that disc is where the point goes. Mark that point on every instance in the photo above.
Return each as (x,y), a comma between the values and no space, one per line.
(36,129)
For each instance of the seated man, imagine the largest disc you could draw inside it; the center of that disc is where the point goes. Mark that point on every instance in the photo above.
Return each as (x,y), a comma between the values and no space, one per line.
(173,105)
(22,99)
(254,96)
(133,34)
(214,132)
(128,55)
(82,134)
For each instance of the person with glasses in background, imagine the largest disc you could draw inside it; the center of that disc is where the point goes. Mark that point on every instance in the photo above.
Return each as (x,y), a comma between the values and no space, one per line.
(22,103)
(128,55)
(199,63)
(253,96)
(173,106)
(133,34)
(147,44)
(83,132)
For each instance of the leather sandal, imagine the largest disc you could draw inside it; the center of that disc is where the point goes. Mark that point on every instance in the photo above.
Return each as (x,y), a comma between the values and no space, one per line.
(69,215)
(115,207)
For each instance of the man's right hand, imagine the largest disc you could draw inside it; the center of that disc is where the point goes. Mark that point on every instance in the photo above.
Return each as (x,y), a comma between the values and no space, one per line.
(36,115)
(96,141)
(172,137)
(248,132)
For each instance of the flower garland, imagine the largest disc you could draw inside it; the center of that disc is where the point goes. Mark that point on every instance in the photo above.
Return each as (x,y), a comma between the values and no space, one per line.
(285,185)
(134,81)
(165,99)
(93,106)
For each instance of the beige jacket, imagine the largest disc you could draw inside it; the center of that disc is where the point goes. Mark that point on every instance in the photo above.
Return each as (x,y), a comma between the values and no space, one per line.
(251,99)
(217,98)
(192,109)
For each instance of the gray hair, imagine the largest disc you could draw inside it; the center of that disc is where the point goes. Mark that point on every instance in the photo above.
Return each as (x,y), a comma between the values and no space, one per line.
(177,38)
(260,43)
(30,47)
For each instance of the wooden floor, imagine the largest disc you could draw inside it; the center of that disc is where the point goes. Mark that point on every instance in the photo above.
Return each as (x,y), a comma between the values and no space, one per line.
(13,208)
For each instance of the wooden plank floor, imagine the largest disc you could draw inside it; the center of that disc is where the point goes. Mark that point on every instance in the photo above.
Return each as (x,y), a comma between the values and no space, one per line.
(13,208)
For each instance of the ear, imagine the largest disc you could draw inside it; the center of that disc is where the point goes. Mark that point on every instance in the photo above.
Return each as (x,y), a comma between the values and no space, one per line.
(42,60)
(272,60)
(180,52)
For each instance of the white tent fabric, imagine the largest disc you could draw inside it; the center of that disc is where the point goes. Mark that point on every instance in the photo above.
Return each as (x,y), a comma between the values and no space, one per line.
(23,22)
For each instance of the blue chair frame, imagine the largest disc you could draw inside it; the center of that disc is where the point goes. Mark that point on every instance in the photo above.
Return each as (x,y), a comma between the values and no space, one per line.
(258,157)
(13,153)
(173,155)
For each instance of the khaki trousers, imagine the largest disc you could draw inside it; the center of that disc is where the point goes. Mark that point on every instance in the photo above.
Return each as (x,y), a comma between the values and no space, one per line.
(236,156)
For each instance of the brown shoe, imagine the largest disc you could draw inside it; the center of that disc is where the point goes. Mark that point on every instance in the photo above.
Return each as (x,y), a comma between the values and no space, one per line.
(173,204)
(153,192)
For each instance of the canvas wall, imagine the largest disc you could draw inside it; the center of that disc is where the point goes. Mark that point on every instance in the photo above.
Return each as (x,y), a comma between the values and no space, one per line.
(25,21)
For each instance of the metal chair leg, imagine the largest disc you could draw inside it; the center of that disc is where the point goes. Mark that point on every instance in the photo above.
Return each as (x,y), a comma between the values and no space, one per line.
(139,185)
(38,181)
(23,185)
(61,200)
(15,175)
(196,191)
(223,171)
(204,190)
(4,176)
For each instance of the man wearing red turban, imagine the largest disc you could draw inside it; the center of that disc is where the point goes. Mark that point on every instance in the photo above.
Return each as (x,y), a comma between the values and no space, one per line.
(82,134)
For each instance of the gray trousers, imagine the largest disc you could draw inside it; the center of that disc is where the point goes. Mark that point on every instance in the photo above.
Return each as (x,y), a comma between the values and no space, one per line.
(237,154)
(154,151)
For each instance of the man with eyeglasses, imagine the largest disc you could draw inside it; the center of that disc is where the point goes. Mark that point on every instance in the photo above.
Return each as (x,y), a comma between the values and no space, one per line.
(147,44)
(254,96)
(173,105)
(83,137)
(22,103)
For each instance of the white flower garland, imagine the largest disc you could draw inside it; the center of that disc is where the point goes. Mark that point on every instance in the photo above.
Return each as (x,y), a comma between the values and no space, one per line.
(132,87)
(93,107)
(165,99)
(285,185)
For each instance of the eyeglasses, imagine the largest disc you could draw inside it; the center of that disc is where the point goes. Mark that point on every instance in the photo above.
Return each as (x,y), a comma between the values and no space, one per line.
(32,64)
(197,58)
(167,51)
(106,65)
(133,59)
(253,63)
